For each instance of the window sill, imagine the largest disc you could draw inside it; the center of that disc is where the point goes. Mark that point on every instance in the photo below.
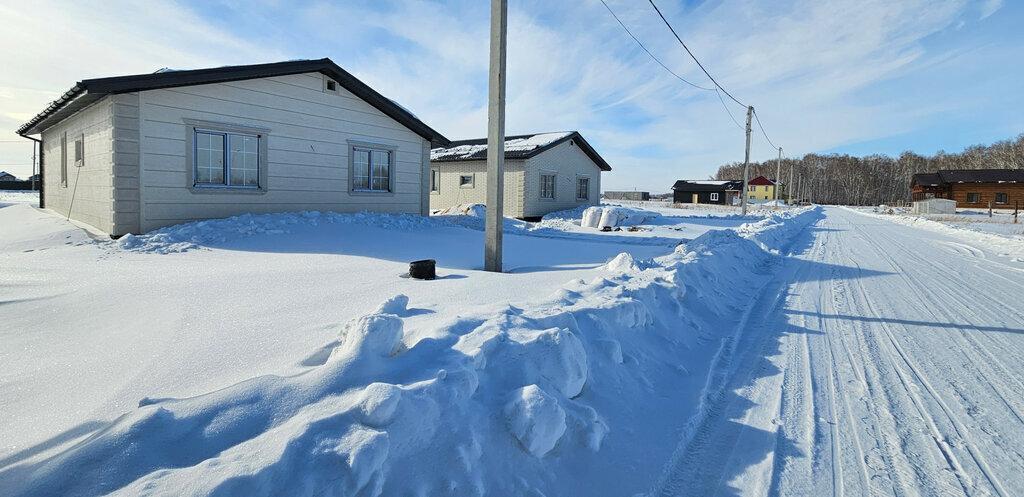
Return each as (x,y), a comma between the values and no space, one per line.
(242,190)
(371,193)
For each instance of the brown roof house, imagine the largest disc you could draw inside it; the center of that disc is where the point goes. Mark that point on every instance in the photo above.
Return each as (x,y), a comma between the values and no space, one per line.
(971,188)
(131,154)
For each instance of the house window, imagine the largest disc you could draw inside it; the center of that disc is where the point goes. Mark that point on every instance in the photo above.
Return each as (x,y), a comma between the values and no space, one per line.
(64,159)
(714,197)
(582,188)
(1000,198)
(226,159)
(752,188)
(435,181)
(547,186)
(972,198)
(466,181)
(80,151)
(371,170)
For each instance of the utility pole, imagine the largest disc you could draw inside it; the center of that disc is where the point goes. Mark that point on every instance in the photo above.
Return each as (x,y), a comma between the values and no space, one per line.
(496,139)
(789,186)
(746,162)
(778,176)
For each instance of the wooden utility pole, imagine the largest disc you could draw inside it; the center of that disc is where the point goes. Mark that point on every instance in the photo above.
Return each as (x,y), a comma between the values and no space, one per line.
(778,176)
(789,186)
(496,139)
(746,162)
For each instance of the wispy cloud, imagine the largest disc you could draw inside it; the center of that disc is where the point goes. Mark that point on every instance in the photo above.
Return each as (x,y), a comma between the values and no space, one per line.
(821,73)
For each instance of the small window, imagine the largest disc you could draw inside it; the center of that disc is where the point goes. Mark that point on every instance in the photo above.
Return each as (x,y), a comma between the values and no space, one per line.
(226,159)
(972,198)
(466,181)
(714,196)
(752,188)
(1001,198)
(64,159)
(332,86)
(435,180)
(582,188)
(547,186)
(80,151)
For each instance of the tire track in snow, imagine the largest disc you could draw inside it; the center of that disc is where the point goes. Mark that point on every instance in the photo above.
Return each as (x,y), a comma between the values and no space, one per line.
(926,415)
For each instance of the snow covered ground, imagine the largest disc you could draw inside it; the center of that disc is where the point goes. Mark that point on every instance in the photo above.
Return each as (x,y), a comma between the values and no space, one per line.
(101,337)
(795,352)
(998,232)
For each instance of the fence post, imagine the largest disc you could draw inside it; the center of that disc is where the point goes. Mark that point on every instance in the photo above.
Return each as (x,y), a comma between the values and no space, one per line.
(989,208)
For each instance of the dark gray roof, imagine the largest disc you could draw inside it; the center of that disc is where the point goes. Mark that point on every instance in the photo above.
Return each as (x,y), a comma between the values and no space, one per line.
(707,185)
(516,147)
(981,175)
(926,179)
(88,91)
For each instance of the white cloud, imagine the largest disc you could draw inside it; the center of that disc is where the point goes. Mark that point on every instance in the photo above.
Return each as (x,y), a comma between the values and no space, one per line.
(990,7)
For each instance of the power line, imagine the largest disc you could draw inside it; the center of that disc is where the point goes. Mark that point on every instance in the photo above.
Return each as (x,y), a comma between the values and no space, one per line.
(693,56)
(638,42)
(727,111)
(762,130)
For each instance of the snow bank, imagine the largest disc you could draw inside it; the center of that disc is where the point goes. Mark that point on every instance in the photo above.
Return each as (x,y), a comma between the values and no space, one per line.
(1005,238)
(500,401)
(189,236)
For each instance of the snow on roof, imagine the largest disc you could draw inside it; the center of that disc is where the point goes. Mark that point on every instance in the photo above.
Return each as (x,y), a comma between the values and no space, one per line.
(515,146)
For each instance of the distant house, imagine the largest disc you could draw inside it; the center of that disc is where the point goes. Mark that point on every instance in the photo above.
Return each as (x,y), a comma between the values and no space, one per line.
(760,189)
(706,191)
(131,154)
(6,176)
(544,173)
(971,187)
(639,196)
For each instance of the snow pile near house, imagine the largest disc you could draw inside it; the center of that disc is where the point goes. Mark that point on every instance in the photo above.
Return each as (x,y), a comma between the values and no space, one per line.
(193,235)
(602,216)
(475,210)
(498,401)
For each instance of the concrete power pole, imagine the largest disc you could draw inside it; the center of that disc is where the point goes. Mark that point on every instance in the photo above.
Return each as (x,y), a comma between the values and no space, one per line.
(746,162)
(496,139)
(789,186)
(778,176)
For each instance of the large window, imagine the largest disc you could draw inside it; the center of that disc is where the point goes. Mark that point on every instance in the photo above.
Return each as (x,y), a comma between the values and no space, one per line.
(371,170)
(547,186)
(1001,198)
(226,159)
(435,181)
(972,198)
(582,188)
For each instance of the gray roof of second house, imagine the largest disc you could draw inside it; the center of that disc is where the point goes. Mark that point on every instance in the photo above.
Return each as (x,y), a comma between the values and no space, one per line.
(707,185)
(88,91)
(927,179)
(516,147)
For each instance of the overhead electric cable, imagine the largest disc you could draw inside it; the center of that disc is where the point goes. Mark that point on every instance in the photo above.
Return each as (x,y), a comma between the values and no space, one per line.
(727,111)
(693,56)
(762,130)
(638,42)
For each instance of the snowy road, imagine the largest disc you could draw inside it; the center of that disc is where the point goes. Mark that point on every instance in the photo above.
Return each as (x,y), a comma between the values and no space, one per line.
(886,360)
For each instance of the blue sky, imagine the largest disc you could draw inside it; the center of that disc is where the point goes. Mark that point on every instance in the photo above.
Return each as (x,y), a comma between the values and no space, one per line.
(858,77)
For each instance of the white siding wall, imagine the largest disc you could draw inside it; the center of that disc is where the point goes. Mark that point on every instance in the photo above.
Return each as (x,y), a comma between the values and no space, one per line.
(568,162)
(452,194)
(91,185)
(308,156)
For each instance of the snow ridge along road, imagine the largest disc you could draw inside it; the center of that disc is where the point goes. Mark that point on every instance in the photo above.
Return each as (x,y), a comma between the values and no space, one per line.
(888,361)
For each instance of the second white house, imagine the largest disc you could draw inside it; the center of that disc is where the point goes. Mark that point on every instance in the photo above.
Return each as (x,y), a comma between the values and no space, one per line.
(544,173)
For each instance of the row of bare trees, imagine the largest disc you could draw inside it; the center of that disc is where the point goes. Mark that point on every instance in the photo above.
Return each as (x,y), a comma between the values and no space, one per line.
(873,179)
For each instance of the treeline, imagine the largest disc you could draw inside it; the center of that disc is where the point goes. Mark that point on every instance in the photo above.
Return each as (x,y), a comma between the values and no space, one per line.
(873,179)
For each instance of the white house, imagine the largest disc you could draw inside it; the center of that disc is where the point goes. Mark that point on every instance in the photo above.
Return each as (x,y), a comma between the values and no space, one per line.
(543,173)
(131,154)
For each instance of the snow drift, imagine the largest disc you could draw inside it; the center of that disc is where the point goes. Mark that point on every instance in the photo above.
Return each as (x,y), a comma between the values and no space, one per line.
(573,393)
